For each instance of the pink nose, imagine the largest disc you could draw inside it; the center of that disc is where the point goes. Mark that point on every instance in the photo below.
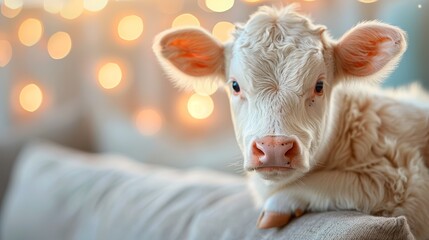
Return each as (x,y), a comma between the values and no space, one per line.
(274,151)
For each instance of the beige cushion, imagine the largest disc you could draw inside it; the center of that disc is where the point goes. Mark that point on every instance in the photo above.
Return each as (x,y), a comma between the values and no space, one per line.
(62,194)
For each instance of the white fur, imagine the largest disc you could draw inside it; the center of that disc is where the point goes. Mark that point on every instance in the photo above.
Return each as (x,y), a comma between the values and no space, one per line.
(363,148)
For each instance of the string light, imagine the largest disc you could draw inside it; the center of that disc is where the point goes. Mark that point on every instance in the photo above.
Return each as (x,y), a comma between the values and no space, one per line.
(30,97)
(185,20)
(94,5)
(219,5)
(5,52)
(72,9)
(14,4)
(206,89)
(203,6)
(30,31)
(53,6)
(9,12)
(200,107)
(59,45)
(110,75)
(367,1)
(130,27)
(222,30)
(148,121)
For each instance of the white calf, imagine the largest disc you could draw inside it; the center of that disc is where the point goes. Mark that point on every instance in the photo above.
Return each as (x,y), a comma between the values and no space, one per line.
(313,136)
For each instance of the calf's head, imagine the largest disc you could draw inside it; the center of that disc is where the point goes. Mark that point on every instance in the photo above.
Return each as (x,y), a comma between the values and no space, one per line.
(279,72)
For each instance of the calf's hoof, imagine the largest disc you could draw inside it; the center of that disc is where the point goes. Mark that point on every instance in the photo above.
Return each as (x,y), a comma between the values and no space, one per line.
(269,219)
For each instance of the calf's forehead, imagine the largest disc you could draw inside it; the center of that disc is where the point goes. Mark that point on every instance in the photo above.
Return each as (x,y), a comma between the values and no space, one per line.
(277,47)
(288,66)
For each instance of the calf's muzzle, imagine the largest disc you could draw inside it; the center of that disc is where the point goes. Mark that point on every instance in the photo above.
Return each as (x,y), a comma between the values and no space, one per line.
(274,153)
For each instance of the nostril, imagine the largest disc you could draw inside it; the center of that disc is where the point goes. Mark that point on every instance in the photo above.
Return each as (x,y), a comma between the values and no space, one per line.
(293,150)
(257,151)
(288,148)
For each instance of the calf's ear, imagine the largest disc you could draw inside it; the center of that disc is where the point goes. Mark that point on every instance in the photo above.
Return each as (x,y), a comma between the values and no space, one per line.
(369,49)
(190,56)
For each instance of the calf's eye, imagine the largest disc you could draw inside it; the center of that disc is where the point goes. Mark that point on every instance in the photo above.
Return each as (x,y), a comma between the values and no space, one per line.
(235,87)
(318,89)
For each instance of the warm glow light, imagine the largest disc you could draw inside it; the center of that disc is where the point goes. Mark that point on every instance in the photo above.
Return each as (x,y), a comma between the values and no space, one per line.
(222,30)
(367,1)
(30,31)
(219,5)
(31,97)
(148,121)
(59,45)
(9,12)
(110,75)
(94,5)
(252,1)
(205,89)
(5,52)
(72,9)
(130,27)
(53,6)
(13,4)
(185,20)
(200,107)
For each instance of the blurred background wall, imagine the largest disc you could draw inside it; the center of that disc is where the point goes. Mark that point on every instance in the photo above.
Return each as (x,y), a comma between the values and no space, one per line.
(82,73)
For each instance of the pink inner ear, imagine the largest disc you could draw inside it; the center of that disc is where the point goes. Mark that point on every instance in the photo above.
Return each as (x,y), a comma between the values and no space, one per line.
(193,52)
(368,48)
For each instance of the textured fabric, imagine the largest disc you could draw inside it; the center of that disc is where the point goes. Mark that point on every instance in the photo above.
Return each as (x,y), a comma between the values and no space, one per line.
(62,194)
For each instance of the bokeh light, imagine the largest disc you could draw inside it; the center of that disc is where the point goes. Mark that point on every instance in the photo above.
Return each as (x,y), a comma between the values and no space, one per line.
(53,6)
(200,107)
(5,52)
(367,1)
(219,5)
(185,20)
(94,5)
(13,4)
(130,27)
(222,30)
(59,45)
(148,121)
(31,97)
(30,31)
(205,89)
(9,12)
(72,9)
(110,75)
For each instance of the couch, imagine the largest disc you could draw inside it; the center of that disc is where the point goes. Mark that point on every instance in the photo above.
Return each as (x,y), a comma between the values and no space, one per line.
(61,193)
